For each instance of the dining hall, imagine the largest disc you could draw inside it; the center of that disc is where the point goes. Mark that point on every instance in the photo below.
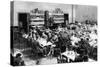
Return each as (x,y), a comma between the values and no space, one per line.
(52,33)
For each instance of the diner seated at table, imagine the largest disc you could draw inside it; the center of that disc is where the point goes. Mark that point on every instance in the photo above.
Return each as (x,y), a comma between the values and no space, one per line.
(73,45)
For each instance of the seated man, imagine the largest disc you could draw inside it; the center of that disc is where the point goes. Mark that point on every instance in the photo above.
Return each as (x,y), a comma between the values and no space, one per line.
(18,60)
(45,45)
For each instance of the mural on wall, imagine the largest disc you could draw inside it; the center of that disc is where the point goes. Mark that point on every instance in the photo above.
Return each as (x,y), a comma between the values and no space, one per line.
(37,15)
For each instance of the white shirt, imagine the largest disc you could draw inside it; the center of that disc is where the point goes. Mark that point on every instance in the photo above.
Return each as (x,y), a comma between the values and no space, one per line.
(25,36)
(74,40)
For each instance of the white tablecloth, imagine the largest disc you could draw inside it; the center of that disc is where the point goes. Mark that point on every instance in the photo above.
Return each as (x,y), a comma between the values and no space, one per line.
(70,54)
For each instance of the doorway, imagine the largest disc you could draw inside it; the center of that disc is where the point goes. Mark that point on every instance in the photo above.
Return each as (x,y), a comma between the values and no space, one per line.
(23,22)
(66,19)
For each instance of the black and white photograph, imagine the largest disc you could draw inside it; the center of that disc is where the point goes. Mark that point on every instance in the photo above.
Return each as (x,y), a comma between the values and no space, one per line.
(43,33)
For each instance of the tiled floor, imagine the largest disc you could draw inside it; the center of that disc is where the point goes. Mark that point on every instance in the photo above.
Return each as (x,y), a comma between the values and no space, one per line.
(48,61)
(42,61)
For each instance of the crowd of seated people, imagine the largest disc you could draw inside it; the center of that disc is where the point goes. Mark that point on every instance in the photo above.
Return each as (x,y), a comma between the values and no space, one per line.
(81,40)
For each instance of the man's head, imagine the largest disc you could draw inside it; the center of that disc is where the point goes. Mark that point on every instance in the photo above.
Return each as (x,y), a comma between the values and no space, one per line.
(18,55)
